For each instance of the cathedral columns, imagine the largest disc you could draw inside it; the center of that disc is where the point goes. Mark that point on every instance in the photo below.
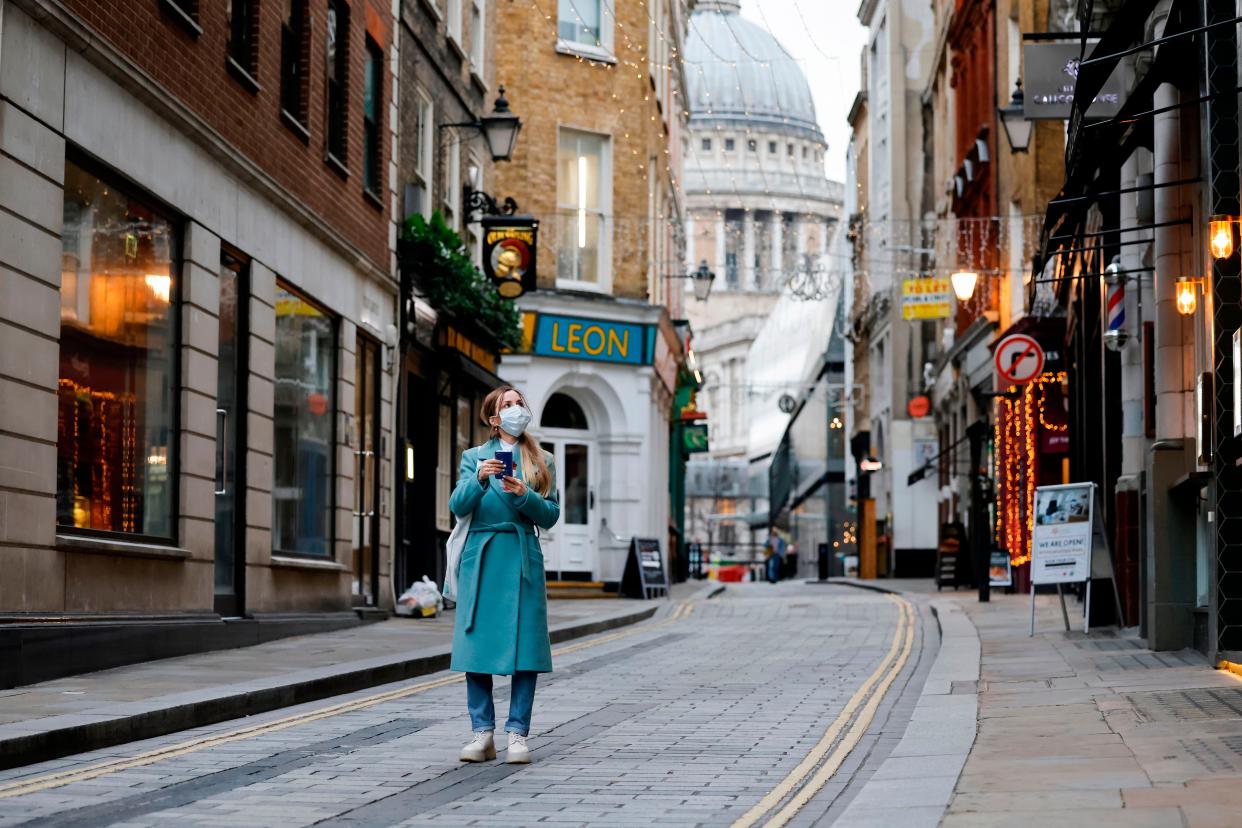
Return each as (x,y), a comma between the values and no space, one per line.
(748,250)
(776,261)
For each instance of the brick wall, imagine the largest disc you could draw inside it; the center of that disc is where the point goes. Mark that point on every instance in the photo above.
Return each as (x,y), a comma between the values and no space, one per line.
(193,69)
(549,90)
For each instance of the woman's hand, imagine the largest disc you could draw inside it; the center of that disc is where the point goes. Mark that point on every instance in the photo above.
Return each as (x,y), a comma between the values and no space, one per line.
(514,486)
(488,468)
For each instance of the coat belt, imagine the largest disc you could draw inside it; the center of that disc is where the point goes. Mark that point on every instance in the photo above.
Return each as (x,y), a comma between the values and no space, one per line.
(525,534)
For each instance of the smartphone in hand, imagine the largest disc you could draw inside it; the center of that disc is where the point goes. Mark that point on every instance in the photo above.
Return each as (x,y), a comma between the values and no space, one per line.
(505,457)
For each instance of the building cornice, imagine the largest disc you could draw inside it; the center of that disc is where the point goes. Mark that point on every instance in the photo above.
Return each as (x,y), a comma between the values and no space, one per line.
(79,37)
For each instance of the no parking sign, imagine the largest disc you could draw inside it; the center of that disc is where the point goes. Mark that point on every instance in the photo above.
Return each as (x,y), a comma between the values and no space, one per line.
(1018,359)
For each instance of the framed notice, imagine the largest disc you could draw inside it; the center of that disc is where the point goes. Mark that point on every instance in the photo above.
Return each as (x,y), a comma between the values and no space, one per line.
(1000,571)
(1062,535)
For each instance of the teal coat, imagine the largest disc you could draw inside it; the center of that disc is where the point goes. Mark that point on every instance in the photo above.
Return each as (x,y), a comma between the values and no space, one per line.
(502,600)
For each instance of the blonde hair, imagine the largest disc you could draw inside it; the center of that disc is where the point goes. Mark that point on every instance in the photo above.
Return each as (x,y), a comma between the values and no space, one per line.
(537,475)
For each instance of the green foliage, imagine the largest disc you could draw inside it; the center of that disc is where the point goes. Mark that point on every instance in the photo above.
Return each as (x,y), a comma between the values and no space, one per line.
(452,283)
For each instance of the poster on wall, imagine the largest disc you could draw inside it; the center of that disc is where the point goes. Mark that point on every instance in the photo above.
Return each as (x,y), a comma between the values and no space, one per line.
(1062,535)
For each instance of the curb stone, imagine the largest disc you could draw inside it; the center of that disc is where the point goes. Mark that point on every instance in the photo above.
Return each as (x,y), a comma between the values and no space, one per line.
(53,737)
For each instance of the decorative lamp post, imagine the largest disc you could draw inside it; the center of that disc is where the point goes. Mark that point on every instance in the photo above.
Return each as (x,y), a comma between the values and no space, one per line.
(1017,128)
(702,279)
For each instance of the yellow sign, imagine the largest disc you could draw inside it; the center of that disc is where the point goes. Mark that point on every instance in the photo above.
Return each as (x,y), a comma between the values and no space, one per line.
(926,298)
(471,350)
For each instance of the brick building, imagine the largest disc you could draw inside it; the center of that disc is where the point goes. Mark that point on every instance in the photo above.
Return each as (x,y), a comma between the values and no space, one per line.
(196,311)
(599,87)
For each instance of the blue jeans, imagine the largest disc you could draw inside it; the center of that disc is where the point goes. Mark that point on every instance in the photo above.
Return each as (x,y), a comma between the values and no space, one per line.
(521,701)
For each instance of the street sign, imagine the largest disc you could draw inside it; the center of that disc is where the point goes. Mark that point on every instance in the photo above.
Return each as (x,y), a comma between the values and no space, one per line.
(694,438)
(1018,359)
(644,569)
(918,407)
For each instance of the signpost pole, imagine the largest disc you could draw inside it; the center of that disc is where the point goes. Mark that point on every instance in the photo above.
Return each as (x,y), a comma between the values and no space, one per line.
(1064,611)
(1086,615)
(1032,634)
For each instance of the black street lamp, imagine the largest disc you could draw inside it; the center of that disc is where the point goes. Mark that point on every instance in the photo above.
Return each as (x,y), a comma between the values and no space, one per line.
(1013,119)
(500,130)
(702,276)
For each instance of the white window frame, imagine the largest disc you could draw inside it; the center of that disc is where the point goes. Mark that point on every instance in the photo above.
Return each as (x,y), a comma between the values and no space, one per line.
(478,37)
(452,16)
(472,234)
(424,150)
(451,197)
(604,282)
(606,50)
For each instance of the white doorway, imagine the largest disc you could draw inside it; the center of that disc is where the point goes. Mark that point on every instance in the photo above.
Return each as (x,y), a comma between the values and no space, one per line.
(571,548)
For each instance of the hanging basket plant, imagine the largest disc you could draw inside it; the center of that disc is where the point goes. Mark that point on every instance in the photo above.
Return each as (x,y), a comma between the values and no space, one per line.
(434,254)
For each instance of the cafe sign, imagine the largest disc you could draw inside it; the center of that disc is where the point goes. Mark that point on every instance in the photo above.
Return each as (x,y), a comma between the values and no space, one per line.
(509,247)
(1051,73)
(595,340)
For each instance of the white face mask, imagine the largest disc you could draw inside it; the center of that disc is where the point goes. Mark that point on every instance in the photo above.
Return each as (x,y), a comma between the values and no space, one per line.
(514,420)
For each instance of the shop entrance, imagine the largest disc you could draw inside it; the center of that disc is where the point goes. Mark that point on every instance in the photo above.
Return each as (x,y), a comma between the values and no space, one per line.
(571,547)
(230,491)
(366,478)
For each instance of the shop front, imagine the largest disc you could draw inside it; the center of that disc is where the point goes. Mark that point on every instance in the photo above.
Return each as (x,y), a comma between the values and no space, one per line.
(600,376)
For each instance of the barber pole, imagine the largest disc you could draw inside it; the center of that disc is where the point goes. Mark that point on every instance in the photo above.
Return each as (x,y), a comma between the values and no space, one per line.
(1115,302)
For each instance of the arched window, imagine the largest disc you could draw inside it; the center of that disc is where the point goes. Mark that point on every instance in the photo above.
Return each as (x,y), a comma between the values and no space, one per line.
(563,412)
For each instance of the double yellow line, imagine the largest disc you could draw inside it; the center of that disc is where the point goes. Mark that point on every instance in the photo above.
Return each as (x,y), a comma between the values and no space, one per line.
(61,778)
(814,771)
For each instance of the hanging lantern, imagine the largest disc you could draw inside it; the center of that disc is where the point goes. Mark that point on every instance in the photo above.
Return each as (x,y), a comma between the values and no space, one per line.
(1187,295)
(964,284)
(1220,236)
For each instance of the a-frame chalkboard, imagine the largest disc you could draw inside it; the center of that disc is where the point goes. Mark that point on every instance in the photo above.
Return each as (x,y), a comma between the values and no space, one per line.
(644,570)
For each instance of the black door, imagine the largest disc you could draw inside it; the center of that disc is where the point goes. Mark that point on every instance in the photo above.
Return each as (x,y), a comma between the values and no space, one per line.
(230,485)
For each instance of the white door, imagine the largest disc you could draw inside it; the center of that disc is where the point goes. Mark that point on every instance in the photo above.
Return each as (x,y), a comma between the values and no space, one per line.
(569,547)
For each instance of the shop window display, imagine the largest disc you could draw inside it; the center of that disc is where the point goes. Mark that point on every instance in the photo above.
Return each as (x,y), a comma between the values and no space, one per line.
(115,420)
(303,458)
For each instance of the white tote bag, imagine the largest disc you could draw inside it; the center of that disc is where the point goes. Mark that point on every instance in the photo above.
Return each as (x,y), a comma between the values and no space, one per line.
(456,545)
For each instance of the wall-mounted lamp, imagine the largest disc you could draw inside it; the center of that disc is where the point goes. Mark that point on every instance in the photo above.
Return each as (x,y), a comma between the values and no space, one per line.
(500,130)
(964,284)
(1187,293)
(1013,120)
(1220,236)
(701,277)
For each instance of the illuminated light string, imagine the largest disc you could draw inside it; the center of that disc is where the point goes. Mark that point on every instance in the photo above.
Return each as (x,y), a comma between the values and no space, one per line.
(1016,463)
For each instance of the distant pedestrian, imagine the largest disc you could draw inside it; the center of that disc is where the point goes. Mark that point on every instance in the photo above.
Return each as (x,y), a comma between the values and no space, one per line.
(775,552)
(502,606)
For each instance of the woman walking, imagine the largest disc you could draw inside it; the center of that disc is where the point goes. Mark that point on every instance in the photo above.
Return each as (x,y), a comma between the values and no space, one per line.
(502,608)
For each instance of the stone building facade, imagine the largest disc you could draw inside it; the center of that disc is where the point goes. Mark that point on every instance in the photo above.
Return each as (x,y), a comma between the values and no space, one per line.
(598,86)
(196,317)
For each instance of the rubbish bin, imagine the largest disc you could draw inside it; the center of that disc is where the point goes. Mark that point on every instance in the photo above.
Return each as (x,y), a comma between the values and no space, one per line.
(822,561)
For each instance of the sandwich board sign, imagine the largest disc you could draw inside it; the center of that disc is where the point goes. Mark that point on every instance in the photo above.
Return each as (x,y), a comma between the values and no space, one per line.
(644,570)
(1069,544)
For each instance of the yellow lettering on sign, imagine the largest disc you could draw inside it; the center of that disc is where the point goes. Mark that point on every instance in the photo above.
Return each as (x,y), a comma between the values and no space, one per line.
(598,347)
(574,342)
(556,346)
(618,344)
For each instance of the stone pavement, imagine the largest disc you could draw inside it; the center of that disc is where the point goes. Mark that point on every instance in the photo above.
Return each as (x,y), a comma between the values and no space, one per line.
(1095,730)
(140,700)
(688,719)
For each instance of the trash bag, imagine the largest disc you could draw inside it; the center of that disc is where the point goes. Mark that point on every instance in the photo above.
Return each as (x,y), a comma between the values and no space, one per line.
(422,600)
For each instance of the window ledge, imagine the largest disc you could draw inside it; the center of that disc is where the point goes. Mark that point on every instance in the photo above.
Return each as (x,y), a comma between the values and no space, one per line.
(434,8)
(582,287)
(582,50)
(242,76)
(125,549)
(455,45)
(372,198)
(336,166)
(182,18)
(313,564)
(478,81)
(295,125)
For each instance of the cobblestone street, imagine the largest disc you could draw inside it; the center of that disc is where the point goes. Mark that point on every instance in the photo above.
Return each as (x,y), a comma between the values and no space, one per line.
(691,718)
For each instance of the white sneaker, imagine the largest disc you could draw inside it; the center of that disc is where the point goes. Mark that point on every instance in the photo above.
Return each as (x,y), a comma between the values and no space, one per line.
(518,753)
(482,748)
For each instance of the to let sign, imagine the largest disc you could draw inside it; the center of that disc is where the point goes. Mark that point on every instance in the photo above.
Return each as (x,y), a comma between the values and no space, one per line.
(928,298)
(600,340)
